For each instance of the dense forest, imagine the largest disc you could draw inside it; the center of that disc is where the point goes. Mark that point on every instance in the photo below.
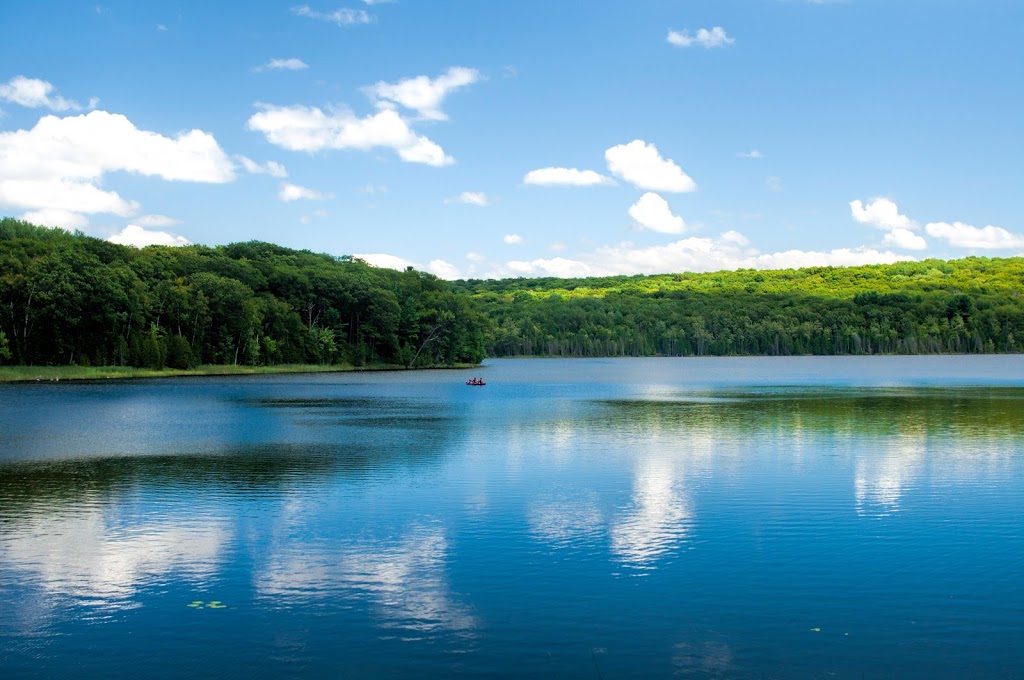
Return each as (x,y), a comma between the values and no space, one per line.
(933,306)
(69,298)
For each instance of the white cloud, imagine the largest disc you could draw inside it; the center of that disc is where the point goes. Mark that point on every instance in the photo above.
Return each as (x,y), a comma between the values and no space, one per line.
(728,251)
(905,239)
(134,235)
(881,213)
(753,153)
(640,164)
(555,266)
(302,128)
(736,237)
(652,212)
(967,236)
(444,270)
(471,198)
(293,192)
(60,163)
(422,94)
(290,64)
(566,177)
(271,168)
(512,239)
(55,217)
(34,93)
(155,221)
(773,183)
(386,261)
(716,37)
(342,16)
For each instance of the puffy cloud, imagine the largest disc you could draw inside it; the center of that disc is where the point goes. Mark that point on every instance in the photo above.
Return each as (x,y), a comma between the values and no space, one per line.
(728,251)
(444,270)
(269,168)
(652,212)
(134,235)
(566,177)
(640,164)
(716,37)
(34,93)
(881,213)
(422,94)
(967,236)
(753,153)
(905,239)
(303,128)
(342,16)
(293,192)
(471,198)
(555,266)
(512,239)
(386,261)
(55,217)
(291,64)
(58,165)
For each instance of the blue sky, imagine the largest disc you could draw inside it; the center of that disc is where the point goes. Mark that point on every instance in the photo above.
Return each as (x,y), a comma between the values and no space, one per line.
(490,139)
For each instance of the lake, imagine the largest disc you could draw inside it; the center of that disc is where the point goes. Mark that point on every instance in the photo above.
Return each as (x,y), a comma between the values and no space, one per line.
(802,517)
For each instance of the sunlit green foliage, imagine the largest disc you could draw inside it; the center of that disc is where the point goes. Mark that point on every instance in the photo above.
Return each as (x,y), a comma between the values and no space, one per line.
(962,306)
(73,299)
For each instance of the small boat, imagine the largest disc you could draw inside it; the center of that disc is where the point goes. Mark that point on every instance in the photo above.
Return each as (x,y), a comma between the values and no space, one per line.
(476,382)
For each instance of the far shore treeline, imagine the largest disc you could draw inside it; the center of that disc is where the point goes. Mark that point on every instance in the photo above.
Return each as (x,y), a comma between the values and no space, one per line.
(74,299)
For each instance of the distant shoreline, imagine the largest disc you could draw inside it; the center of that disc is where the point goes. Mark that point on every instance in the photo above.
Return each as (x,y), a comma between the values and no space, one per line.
(17,374)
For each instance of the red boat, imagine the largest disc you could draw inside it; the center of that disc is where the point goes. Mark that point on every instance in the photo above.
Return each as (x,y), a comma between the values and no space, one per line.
(476,382)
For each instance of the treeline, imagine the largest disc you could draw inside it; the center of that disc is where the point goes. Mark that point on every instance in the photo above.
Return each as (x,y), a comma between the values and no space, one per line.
(73,299)
(972,305)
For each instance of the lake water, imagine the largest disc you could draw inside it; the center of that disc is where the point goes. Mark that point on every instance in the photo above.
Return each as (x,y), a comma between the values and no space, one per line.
(733,517)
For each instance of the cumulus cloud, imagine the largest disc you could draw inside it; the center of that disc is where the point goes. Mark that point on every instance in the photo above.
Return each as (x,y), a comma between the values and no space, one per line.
(753,153)
(566,177)
(34,93)
(290,64)
(640,164)
(59,164)
(905,239)
(386,261)
(271,168)
(881,213)
(304,128)
(293,192)
(471,198)
(55,217)
(729,251)
(343,16)
(422,94)
(968,236)
(512,239)
(716,37)
(134,235)
(652,212)
(444,270)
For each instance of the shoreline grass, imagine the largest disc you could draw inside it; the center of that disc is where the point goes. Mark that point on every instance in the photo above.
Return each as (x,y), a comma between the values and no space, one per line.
(9,374)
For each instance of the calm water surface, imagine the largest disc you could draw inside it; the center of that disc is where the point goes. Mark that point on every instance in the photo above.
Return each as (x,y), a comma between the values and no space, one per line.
(787,518)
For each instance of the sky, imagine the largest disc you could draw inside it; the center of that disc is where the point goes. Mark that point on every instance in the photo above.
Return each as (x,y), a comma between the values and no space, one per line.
(477,139)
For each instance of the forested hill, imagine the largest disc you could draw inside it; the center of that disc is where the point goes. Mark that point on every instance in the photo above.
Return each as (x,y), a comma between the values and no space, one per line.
(970,305)
(69,298)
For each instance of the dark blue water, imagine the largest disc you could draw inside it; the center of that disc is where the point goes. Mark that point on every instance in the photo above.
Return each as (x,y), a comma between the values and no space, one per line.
(737,518)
